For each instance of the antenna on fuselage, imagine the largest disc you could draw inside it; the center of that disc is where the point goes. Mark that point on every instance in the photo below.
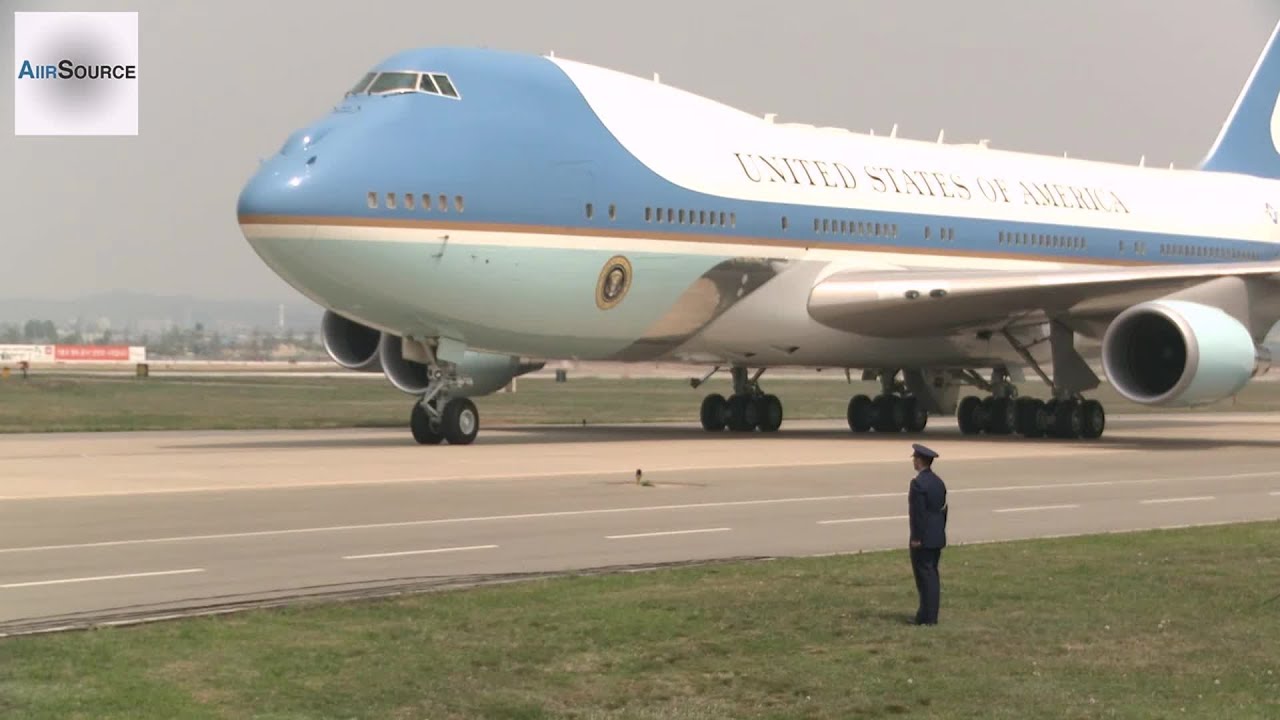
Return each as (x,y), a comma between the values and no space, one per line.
(768,117)
(894,132)
(551,53)
(940,134)
(657,78)
(1142,161)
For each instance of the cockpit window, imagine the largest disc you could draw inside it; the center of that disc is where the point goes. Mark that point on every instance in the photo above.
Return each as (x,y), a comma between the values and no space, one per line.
(387,83)
(363,84)
(394,82)
(446,87)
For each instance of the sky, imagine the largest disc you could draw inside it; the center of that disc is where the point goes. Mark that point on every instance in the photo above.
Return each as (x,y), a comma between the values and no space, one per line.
(223,82)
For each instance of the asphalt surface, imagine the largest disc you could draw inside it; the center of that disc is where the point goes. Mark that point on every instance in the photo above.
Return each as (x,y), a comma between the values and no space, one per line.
(100,528)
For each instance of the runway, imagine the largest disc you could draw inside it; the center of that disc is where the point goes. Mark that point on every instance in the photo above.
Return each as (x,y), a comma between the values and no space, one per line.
(113,527)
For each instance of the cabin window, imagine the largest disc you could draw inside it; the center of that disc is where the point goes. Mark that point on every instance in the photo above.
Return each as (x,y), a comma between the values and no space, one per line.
(457,203)
(442,203)
(408,201)
(373,199)
(733,219)
(648,214)
(591,211)
(681,215)
(613,212)
(426,201)
(391,200)
(784,222)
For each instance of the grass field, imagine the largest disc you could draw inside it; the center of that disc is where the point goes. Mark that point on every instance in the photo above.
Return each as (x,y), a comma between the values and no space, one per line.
(1162,624)
(69,403)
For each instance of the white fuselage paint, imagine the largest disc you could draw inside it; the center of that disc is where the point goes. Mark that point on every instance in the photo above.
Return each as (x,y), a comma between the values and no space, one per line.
(691,141)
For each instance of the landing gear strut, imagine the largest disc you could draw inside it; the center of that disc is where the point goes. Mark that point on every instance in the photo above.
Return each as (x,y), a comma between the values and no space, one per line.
(746,410)
(438,417)
(894,410)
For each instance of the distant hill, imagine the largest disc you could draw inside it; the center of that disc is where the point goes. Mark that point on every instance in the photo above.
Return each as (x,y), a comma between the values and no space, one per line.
(146,313)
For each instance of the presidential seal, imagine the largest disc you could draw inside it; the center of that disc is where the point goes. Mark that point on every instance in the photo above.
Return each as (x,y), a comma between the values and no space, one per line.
(615,280)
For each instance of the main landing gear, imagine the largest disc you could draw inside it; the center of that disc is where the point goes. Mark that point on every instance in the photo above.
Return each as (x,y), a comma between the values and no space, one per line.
(746,410)
(1067,415)
(438,417)
(894,410)
(1006,414)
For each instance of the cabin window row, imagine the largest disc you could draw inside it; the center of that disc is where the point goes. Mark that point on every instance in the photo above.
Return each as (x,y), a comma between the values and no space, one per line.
(1070,242)
(850,227)
(411,201)
(945,234)
(590,211)
(674,216)
(1219,253)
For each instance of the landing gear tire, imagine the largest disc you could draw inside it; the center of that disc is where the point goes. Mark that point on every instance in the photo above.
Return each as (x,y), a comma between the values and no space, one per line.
(714,411)
(1093,420)
(1002,416)
(460,421)
(743,416)
(916,417)
(860,414)
(768,413)
(969,415)
(420,426)
(1029,424)
(1068,420)
(889,416)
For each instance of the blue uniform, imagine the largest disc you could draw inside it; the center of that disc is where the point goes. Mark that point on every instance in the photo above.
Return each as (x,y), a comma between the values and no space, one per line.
(927,509)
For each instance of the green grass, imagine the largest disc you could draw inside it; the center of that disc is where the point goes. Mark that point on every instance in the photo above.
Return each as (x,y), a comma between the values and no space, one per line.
(51,403)
(1150,625)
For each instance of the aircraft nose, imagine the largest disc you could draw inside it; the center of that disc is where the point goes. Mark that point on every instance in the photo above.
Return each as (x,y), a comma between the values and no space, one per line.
(279,187)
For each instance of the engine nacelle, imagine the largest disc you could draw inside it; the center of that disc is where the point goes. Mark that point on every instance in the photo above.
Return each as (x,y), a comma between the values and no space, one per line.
(350,344)
(488,372)
(1178,353)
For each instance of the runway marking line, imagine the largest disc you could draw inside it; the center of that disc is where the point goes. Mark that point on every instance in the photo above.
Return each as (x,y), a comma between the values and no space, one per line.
(1036,508)
(608,511)
(666,533)
(863,519)
(102,577)
(419,552)
(1160,501)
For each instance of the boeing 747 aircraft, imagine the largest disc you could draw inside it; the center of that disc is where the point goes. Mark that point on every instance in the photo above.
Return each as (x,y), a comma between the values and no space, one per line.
(465,215)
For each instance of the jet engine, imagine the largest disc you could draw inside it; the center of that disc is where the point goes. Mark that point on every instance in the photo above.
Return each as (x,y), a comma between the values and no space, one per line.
(1179,353)
(350,344)
(488,372)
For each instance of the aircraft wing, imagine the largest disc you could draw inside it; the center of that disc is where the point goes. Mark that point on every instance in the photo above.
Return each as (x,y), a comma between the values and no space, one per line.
(907,303)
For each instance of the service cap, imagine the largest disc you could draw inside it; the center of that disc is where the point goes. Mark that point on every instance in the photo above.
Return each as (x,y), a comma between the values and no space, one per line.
(922,451)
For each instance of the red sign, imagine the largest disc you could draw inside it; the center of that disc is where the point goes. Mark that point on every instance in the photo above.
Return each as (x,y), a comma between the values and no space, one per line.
(91,352)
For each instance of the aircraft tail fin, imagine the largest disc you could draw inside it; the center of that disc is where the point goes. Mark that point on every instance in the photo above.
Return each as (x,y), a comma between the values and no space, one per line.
(1249,142)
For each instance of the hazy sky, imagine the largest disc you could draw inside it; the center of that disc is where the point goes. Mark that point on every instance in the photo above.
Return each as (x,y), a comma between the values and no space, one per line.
(222,83)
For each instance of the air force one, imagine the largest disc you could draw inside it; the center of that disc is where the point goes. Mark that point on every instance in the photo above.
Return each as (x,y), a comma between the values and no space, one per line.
(465,215)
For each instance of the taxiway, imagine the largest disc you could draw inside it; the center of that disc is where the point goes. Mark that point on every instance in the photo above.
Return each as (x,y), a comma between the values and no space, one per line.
(113,527)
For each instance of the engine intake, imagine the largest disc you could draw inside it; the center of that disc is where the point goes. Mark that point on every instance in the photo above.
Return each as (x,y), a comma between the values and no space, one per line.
(1179,353)
(350,344)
